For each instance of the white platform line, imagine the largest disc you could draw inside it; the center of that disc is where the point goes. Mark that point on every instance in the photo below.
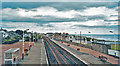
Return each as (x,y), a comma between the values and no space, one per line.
(71,53)
(45,52)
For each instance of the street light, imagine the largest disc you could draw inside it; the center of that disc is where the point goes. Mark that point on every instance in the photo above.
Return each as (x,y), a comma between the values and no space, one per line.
(77,38)
(61,36)
(114,40)
(85,39)
(36,37)
(91,40)
(23,44)
(80,38)
(29,41)
(33,38)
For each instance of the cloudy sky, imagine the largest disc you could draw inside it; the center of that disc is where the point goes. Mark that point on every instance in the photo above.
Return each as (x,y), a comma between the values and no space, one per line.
(60,0)
(71,17)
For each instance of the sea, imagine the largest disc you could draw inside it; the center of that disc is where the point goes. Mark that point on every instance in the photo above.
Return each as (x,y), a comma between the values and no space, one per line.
(111,38)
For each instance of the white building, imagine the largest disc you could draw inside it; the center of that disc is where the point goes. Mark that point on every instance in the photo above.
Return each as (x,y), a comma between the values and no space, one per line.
(11,56)
(4,34)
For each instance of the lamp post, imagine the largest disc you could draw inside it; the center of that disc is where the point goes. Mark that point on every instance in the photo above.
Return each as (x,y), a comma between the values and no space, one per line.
(114,40)
(61,36)
(23,44)
(33,38)
(77,38)
(91,40)
(36,36)
(52,36)
(85,41)
(80,38)
(29,42)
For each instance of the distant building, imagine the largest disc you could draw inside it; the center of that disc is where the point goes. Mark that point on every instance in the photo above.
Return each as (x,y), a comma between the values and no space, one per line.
(49,34)
(4,34)
(12,34)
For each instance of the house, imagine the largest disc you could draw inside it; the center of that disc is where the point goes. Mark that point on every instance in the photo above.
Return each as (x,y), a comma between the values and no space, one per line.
(12,34)
(49,34)
(4,34)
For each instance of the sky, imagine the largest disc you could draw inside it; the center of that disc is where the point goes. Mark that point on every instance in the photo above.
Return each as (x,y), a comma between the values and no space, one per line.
(60,0)
(70,17)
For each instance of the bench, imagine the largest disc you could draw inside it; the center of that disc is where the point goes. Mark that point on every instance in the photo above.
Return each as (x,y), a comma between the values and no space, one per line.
(103,58)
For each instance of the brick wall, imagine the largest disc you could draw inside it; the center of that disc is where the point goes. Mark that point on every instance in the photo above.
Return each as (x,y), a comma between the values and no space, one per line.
(15,45)
(100,48)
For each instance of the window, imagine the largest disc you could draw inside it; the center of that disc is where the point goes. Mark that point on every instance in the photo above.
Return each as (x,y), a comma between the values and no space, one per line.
(8,56)
(8,62)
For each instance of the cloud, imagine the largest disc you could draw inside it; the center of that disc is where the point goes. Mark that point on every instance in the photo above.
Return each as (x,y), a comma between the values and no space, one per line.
(40,12)
(60,1)
(69,27)
(53,19)
(100,11)
(114,17)
(51,13)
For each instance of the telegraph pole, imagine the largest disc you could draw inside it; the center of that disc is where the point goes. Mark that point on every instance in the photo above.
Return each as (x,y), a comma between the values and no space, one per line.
(80,37)
(23,44)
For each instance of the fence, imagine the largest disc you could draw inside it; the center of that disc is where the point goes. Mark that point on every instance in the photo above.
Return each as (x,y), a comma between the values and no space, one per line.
(103,48)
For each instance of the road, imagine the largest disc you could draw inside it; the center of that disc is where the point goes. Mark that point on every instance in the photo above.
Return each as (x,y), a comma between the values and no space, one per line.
(57,55)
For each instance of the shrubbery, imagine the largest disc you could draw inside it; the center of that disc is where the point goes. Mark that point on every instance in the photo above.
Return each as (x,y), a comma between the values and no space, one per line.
(10,40)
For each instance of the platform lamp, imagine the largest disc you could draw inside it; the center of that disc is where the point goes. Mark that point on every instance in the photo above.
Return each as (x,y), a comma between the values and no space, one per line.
(80,37)
(29,41)
(114,40)
(23,44)
(90,40)
(33,38)
(76,37)
(85,41)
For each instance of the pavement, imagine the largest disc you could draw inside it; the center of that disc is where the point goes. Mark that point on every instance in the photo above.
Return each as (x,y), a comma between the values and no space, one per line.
(84,57)
(94,53)
(37,54)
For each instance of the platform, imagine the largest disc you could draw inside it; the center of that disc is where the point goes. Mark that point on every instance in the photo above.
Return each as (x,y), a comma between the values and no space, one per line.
(84,57)
(37,54)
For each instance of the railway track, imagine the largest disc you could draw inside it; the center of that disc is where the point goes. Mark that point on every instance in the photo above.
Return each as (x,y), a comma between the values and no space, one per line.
(57,55)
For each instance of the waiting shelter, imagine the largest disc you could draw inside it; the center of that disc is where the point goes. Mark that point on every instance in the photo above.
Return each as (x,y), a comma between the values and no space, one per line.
(11,56)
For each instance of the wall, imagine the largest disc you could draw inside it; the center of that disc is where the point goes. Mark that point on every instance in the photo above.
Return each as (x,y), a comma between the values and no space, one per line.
(15,45)
(100,48)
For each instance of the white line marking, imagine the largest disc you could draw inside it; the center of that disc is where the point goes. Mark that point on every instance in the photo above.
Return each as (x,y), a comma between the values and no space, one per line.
(41,54)
(45,52)
(70,52)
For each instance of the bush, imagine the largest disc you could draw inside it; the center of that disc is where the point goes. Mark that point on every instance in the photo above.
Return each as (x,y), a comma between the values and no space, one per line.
(9,40)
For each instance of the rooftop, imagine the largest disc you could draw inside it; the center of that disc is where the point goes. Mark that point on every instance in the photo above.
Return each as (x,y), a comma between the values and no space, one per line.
(12,50)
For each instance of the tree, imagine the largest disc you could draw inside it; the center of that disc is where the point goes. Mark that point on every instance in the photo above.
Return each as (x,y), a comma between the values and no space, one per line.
(20,32)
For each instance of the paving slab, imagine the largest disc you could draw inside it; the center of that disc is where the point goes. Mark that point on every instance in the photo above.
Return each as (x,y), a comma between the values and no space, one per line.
(37,54)
(84,57)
